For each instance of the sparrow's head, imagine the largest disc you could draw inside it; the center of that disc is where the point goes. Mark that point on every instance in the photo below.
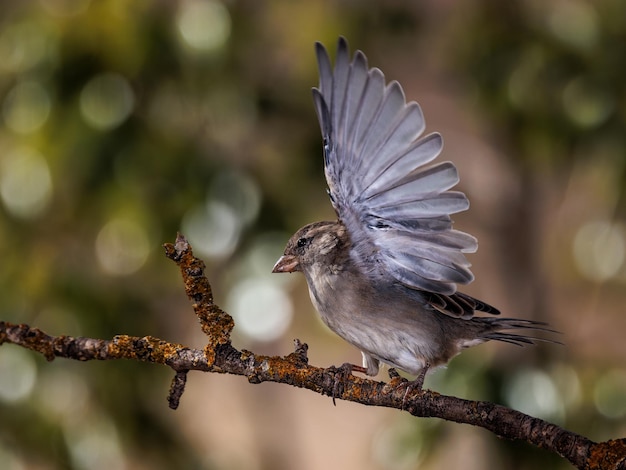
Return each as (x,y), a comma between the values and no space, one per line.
(321,242)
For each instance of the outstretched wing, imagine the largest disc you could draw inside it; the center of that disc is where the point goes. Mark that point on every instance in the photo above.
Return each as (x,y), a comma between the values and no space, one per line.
(395,205)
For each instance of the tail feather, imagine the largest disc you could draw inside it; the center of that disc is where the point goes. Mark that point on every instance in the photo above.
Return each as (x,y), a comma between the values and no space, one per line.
(497,329)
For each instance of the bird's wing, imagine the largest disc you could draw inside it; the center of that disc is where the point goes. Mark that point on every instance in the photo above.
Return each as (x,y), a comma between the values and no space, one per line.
(395,204)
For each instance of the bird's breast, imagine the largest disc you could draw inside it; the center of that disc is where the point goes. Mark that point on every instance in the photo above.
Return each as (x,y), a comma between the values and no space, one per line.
(379,318)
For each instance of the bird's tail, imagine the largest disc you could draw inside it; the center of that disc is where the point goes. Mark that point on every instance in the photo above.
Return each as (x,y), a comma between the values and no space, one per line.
(498,329)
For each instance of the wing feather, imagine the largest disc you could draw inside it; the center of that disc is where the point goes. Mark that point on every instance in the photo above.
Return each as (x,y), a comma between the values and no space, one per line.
(394,202)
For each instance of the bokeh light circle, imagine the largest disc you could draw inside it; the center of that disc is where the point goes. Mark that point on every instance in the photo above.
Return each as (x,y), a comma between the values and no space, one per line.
(261,308)
(26,107)
(599,249)
(25,182)
(204,25)
(122,247)
(106,101)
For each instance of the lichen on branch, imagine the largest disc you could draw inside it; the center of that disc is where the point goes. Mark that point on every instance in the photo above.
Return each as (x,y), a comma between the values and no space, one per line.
(294,369)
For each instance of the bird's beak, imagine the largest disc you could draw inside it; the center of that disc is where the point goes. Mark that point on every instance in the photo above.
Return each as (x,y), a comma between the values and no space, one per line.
(286,264)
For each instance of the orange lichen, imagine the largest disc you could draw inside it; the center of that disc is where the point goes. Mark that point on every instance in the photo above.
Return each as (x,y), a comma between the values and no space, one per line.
(608,455)
(145,348)
(215,323)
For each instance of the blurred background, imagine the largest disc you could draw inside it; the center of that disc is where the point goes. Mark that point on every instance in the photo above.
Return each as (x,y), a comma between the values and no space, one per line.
(122,123)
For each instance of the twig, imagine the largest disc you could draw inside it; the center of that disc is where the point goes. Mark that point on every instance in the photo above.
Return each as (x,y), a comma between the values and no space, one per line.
(220,356)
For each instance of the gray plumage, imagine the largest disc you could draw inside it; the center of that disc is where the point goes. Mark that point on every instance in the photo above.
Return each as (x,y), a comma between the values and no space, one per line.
(384,276)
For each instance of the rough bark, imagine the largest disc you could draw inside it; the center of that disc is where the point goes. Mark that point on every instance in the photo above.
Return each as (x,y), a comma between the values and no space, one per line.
(220,356)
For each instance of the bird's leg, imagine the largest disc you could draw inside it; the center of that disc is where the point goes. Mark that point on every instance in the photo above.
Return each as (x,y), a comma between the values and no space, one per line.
(411,386)
(341,374)
(419,380)
(361,369)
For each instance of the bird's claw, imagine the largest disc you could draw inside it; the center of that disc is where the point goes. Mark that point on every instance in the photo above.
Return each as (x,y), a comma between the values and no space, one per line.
(409,386)
(341,374)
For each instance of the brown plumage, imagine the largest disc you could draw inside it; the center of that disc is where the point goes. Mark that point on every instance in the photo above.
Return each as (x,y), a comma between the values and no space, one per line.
(384,276)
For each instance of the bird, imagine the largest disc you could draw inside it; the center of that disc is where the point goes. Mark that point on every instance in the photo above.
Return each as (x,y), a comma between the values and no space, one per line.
(384,275)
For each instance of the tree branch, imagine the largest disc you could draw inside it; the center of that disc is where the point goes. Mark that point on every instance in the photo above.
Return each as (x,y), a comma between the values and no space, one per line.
(220,356)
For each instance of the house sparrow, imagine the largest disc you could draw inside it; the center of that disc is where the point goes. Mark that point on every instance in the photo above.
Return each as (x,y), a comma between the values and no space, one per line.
(384,276)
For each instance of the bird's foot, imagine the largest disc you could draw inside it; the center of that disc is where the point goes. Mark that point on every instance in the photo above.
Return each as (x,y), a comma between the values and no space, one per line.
(341,374)
(409,386)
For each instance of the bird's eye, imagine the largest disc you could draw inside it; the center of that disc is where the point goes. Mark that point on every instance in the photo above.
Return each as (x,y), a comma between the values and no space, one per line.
(302,242)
